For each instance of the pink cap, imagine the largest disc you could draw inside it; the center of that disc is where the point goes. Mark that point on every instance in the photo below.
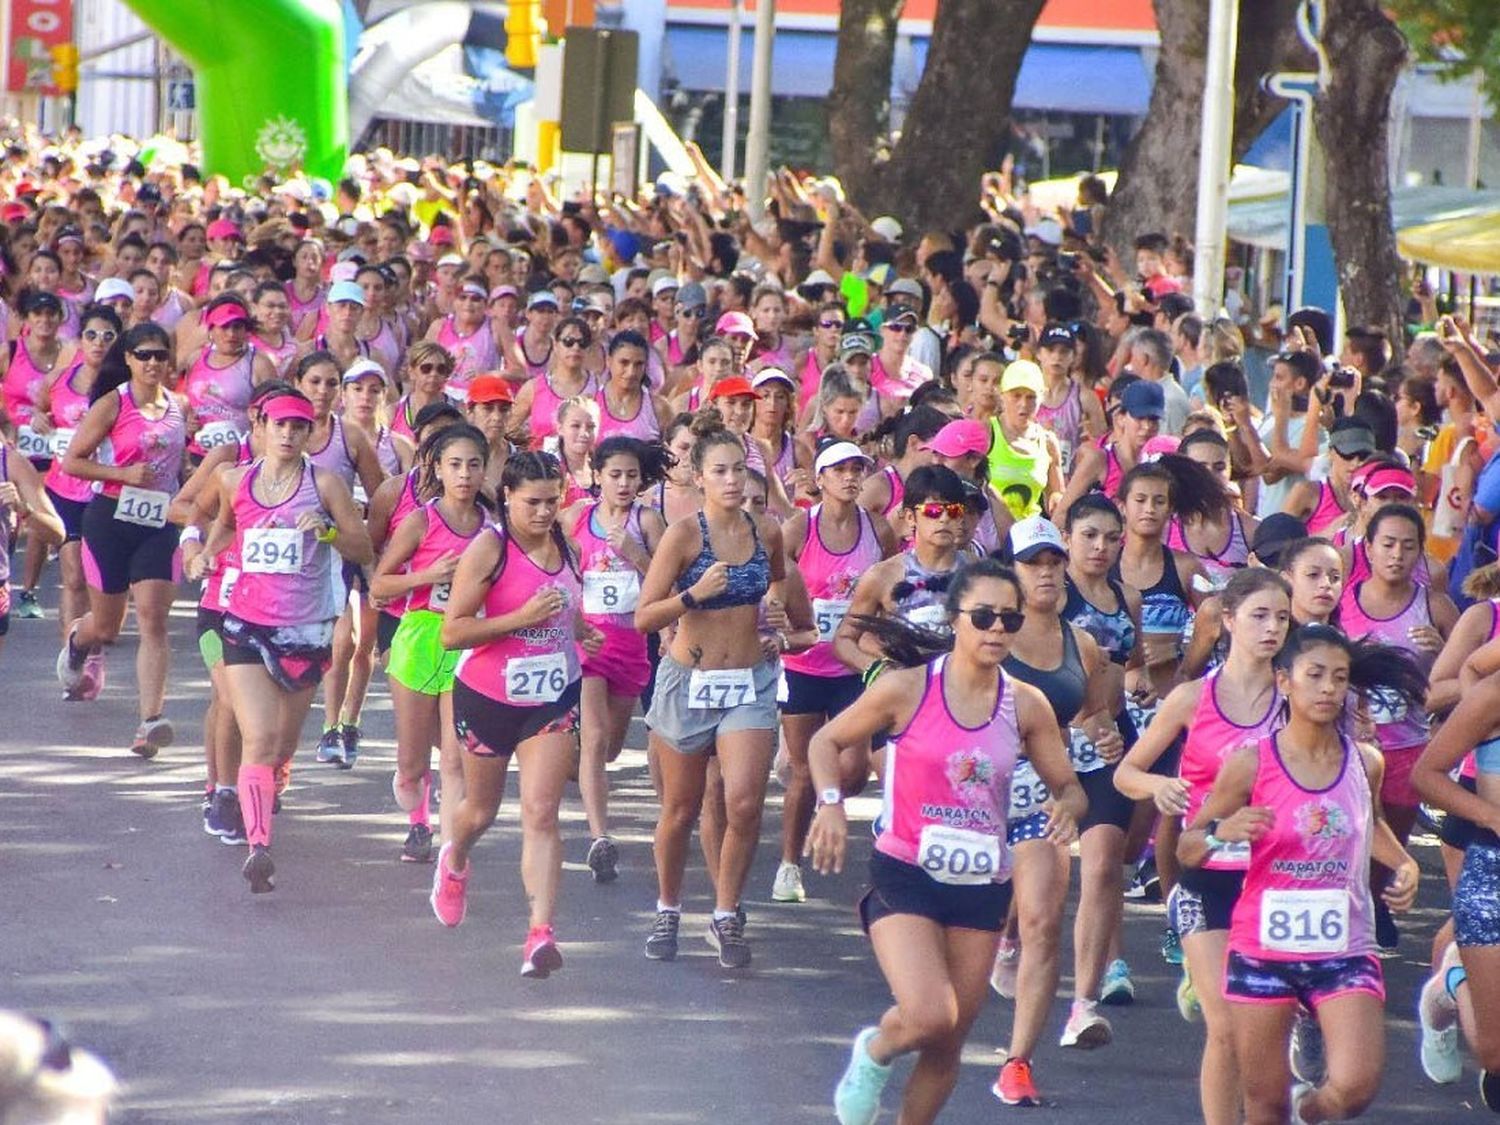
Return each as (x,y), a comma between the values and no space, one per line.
(735,324)
(227,313)
(1375,479)
(963,435)
(294,406)
(1161,443)
(441,236)
(224,228)
(504,291)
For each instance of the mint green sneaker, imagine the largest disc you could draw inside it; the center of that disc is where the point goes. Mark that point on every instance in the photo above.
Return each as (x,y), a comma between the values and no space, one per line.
(856,1100)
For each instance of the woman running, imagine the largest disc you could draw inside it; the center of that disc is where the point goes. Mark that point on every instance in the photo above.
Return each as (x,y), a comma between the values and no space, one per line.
(273,336)
(910,431)
(939,873)
(832,545)
(465,334)
(715,686)
(538,403)
(280,515)
(1305,800)
(129,547)
(220,381)
(771,427)
(417,565)
(23,504)
(577,426)
(616,537)
(428,367)
(716,362)
(1234,705)
(516,613)
(305,291)
(627,407)
(1220,537)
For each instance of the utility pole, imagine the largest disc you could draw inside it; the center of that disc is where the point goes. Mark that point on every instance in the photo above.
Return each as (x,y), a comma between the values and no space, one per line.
(732,92)
(1213,159)
(758,140)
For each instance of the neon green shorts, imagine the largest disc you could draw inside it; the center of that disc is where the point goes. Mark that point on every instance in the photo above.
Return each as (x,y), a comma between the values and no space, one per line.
(418,660)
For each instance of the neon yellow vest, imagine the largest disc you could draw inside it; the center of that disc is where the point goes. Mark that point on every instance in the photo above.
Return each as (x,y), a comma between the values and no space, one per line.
(1019,475)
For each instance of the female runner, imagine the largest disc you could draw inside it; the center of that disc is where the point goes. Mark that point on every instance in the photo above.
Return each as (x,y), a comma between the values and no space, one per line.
(417,565)
(616,537)
(516,613)
(428,367)
(305,292)
(129,548)
(716,362)
(1220,537)
(219,382)
(910,433)
(832,545)
(22,500)
(465,334)
(273,336)
(771,427)
(280,514)
(938,876)
(1235,704)
(736,401)
(577,425)
(538,403)
(1305,800)
(626,406)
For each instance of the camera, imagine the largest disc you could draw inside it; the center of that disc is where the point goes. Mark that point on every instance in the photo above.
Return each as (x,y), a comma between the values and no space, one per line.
(1017,334)
(1341,380)
(1067,260)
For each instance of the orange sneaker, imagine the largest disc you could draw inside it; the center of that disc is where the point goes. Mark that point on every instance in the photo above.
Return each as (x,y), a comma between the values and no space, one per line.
(1014,1086)
(283,776)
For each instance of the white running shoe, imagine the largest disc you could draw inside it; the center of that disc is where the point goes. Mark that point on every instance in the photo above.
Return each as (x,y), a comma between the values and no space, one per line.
(787,886)
(1086,1028)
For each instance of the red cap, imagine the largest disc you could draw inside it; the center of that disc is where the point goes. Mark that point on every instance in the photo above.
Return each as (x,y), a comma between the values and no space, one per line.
(441,236)
(490,388)
(227,313)
(733,387)
(14,212)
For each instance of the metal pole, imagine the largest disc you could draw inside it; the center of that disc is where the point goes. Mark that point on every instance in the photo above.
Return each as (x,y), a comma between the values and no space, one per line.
(1213,159)
(758,139)
(732,93)
(1476,135)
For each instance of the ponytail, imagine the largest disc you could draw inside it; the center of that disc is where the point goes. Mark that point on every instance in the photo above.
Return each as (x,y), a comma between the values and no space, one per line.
(1375,669)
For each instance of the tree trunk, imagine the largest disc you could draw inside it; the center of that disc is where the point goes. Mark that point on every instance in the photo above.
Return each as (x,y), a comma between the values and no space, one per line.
(859,104)
(1365,54)
(960,115)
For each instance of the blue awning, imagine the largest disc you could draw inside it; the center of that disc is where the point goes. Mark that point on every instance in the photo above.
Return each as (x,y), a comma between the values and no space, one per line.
(1074,78)
(801,61)
(1273,148)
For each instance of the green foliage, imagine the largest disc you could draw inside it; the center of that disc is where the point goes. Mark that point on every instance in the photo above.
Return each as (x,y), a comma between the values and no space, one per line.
(1465,34)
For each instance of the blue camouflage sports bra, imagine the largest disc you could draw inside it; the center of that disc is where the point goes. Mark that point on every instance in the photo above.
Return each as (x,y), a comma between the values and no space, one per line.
(748,581)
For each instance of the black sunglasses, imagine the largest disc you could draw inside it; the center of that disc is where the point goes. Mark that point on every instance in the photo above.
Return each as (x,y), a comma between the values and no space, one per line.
(572,341)
(697,313)
(902,329)
(429,368)
(152,355)
(831,324)
(984,618)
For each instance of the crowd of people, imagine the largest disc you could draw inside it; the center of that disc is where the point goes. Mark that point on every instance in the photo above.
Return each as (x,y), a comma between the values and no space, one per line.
(983,518)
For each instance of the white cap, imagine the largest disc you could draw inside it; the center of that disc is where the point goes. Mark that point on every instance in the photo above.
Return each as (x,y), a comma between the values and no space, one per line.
(662,284)
(112,287)
(837,454)
(771,374)
(815,279)
(1033,535)
(1047,230)
(449,260)
(362,367)
(888,228)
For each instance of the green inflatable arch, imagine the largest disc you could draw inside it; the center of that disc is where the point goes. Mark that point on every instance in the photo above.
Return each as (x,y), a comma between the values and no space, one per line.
(271,81)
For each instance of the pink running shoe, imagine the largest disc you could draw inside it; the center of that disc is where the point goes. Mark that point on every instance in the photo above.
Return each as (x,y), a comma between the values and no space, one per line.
(543,958)
(450,891)
(93,676)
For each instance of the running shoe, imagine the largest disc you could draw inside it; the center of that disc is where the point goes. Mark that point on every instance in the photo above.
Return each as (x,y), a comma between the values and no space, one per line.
(418,846)
(787,886)
(1489,1090)
(1387,936)
(450,890)
(727,935)
(661,945)
(604,860)
(331,747)
(349,735)
(1014,1086)
(233,821)
(283,772)
(1146,886)
(28,607)
(151,736)
(1007,961)
(1300,1090)
(1187,999)
(70,664)
(213,813)
(93,676)
(258,870)
(1171,947)
(542,955)
(1306,1048)
(1440,1058)
(856,1099)
(1086,1028)
(1117,989)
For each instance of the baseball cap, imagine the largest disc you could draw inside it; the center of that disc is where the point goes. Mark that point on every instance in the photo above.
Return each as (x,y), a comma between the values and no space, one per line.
(441,236)
(113,288)
(771,375)
(735,324)
(692,296)
(1048,231)
(818,279)
(1057,335)
(490,388)
(880,274)
(904,286)
(1144,399)
(1023,375)
(346,291)
(541,299)
(733,387)
(1374,479)
(503,291)
(1351,437)
(960,436)
(362,367)
(1274,533)
(888,228)
(837,454)
(224,228)
(662,285)
(227,313)
(901,316)
(1033,535)
(475,288)
(856,343)
(14,212)
(593,274)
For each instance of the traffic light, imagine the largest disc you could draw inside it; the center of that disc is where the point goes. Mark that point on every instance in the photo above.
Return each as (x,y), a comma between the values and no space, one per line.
(523,33)
(65,67)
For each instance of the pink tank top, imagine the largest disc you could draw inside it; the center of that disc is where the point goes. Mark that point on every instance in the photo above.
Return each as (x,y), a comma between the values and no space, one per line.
(1211,737)
(1327,512)
(439,539)
(472,354)
(23,383)
(545,403)
(386,346)
(135,439)
(406,503)
(812,379)
(300,308)
(335,456)
(280,355)
(220,581)
(220,398)
(1219,567)
(5,453)
(535,368)
(599,558)
(644,425)
(830,578)
(532,666)
(786,461)
(1396,726)
(1307,889)
(1066,421)
(941,774)
(898,490)
(68,406)
(1114,472)
(1359,564)
(286,576)
(173,308)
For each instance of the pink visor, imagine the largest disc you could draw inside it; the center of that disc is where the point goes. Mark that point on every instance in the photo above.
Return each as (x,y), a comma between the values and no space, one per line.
(227,313)
(281,407)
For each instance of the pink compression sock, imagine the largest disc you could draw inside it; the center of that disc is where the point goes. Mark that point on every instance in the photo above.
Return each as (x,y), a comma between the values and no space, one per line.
(257,794)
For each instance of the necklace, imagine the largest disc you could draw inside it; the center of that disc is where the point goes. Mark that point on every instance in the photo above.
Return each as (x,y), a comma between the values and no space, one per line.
(275,486)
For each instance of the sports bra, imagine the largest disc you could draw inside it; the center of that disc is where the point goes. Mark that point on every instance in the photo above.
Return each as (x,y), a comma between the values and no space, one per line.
(1164,604)
(1064,686)
(748,581)
(1114,631)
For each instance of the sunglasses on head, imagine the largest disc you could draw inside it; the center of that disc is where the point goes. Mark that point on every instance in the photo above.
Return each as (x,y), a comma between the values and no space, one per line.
(984,618)
(572,341)
(106,334)
(902,329)
(429,368)
(934,510)
(152,355)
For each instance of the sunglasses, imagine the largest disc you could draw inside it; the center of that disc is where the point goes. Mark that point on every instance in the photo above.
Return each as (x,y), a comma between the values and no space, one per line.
(152,355)
(106,334)
(934,510)
(902,329)
(1357,455)
(830,324)
(984,618)
(429,368)
(695,313)
(572,341)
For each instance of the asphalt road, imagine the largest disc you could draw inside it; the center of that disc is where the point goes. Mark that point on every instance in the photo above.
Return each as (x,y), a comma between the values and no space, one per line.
(339,997)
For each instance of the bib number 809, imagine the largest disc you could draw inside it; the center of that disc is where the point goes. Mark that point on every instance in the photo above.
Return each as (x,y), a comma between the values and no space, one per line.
(958,856)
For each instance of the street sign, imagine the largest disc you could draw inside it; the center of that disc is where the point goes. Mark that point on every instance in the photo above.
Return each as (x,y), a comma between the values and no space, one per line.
(181,95)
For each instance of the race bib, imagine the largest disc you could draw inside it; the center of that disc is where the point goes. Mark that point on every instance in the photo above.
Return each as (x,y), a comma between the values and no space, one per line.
(215,434)
(1083,753)
(437,596)
(828,615)
(142,507)
(271,550)
(957,855)
(1386,707)
(29,443)
(61,439)
(611,591)
(929,617)
(227,584)
(1230,854)
(1028,792)
(536,679)
(720,689)
(1303,922)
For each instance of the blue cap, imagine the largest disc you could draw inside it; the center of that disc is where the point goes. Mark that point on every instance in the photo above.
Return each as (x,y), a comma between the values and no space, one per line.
(346,291)
(1144,399)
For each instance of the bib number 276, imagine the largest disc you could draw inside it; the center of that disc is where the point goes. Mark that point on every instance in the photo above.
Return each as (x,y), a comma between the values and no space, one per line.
(536,679)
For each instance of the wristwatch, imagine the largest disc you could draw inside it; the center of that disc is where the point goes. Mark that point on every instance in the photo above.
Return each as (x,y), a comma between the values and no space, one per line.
(831,796)
(688,601)
(1211,841)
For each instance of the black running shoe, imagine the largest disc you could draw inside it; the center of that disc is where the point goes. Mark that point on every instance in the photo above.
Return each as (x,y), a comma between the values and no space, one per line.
(727,935)
(418,846)
(259,869)
(604,859)
(1387,936)
(1489,1090)
(349,738)
(662,944)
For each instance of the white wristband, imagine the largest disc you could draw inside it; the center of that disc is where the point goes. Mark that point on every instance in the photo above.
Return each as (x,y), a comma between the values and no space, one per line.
(193,534)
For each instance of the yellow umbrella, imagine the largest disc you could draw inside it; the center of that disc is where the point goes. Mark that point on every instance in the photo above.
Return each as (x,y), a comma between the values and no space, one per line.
(1470,244)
